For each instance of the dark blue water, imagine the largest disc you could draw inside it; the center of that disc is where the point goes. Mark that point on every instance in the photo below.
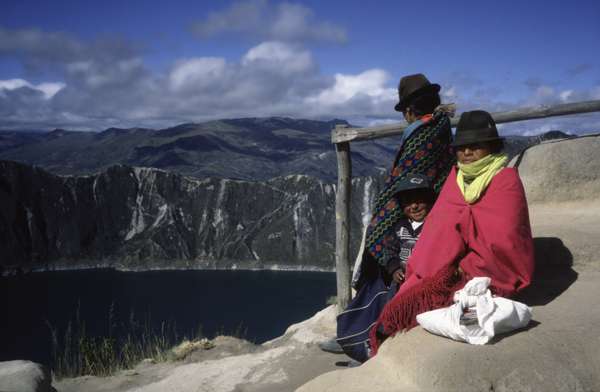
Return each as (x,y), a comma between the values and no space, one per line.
(259,304)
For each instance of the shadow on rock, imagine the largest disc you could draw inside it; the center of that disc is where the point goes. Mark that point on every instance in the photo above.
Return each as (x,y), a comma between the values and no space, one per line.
(553,272)
(532,324)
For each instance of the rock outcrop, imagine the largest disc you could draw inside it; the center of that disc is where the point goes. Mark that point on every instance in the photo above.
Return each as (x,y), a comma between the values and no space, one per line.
(562,181)
(562,171)
(142,218)
(24,376)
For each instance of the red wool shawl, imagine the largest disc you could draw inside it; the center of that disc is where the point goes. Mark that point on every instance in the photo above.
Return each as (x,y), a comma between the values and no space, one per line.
(491,237)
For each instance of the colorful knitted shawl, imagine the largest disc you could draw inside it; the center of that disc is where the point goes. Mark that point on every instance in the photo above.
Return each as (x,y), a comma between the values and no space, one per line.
(425,150)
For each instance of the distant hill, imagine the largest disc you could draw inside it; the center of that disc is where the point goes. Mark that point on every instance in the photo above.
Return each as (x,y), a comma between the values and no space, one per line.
(246,148)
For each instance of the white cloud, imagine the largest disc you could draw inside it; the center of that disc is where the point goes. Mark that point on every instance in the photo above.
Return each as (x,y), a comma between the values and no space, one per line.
(270,79)
(544,93)
(381,121)
(240,17)
(449,93)
(48,89)
(282,57)
(263,20)
(576,124)
(469,93)
(197,73)
(79,66)
(565,95)
(548,95)
(12,84)
(536,129)
(294,21)
(371,83)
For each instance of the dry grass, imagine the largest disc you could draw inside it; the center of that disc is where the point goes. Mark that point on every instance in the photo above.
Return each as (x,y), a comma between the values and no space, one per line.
(75,353)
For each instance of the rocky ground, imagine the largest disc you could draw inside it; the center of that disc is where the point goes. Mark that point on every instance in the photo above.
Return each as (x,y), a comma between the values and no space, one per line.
(232,364)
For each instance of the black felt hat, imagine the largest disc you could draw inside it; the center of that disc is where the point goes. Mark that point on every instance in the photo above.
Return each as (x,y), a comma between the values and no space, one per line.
(475,127)
(410,182)
(413,86)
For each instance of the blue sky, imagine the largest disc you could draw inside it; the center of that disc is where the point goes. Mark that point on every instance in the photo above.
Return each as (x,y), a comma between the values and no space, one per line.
(92,65)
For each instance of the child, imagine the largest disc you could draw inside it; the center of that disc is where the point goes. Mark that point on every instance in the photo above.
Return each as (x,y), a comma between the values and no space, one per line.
(377,284)
(416,199)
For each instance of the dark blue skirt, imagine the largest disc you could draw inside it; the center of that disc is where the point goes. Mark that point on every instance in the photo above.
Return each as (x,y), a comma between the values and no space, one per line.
(355,323)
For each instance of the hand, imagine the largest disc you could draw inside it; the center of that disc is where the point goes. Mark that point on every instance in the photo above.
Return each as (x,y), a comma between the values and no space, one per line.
(398,276)
(458,273)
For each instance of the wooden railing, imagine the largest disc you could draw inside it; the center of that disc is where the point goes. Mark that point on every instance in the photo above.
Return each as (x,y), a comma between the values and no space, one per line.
(342,135)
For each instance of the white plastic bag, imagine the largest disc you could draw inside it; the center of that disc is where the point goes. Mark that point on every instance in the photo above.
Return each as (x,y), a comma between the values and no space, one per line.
(495,315)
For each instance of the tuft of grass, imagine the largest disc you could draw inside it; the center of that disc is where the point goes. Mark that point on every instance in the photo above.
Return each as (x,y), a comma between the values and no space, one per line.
(240,332)
(332,300)
(186,347)
(75,353)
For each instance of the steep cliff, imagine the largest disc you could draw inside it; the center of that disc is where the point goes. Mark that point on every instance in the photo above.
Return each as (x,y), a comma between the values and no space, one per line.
(140,218)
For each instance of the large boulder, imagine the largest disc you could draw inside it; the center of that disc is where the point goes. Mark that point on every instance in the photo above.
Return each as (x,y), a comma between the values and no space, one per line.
(562,170)
(24,376)
(562,183)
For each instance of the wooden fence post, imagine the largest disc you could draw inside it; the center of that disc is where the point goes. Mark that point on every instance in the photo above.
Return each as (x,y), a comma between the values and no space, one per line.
(342,223)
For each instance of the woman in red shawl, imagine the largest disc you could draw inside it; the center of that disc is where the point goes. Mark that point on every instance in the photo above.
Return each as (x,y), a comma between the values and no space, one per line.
(479,226)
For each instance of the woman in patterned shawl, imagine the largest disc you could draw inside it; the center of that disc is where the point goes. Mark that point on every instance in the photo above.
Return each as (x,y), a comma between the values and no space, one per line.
(425,149)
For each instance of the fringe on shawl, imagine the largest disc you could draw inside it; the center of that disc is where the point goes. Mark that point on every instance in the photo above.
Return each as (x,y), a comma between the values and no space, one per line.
(401,312)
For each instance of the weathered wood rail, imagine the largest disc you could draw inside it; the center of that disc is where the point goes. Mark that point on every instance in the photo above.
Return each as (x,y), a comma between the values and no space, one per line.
(342,135)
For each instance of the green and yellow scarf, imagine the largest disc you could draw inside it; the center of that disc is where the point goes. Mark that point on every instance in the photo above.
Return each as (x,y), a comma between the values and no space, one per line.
(473,178)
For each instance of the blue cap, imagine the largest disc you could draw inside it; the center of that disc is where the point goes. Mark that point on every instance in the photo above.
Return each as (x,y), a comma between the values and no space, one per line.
(412,181)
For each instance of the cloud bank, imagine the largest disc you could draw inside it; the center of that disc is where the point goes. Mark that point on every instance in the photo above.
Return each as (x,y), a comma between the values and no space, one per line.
(103,84)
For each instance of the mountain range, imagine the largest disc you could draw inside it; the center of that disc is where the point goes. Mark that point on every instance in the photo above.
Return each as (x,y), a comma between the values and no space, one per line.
(253,149)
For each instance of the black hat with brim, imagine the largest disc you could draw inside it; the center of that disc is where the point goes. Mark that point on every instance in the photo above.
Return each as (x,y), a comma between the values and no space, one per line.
(476,126)
(414,86)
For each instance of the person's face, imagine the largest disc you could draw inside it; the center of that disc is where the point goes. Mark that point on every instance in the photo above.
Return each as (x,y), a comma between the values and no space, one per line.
(470,153)
(416,204)
(409,116)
